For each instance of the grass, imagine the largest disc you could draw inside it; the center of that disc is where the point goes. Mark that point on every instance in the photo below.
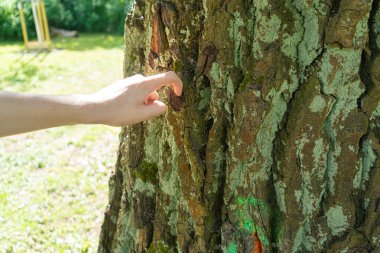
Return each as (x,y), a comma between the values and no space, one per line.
(54,183)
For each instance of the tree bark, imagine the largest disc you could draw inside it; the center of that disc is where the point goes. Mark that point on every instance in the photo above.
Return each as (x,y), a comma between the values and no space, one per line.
(273,146)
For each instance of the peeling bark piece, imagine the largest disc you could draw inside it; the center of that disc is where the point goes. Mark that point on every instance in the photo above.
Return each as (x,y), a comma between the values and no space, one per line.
(155,45)
(169,14)
(151,59)
(174,100)
(204,64)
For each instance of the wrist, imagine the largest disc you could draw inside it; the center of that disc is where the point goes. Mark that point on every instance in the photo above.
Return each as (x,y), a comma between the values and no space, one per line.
(87,109)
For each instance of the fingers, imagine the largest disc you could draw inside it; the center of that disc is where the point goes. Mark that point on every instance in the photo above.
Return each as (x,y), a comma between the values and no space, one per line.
(153,83)
(153,96)
(153,109)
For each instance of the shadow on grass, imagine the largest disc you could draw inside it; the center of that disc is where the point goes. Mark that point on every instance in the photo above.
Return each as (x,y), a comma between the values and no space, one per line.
(26,66)
(21,71)
(89,42)
(81,43)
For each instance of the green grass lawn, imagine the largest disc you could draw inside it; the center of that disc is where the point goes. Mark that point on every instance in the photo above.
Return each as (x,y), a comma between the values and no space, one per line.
(54,183)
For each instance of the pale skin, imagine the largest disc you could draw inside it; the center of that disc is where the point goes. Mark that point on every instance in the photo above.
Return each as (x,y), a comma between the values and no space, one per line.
(125,102)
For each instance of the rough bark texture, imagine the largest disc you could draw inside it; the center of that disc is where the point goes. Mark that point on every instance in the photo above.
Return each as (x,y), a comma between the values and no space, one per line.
(274,145)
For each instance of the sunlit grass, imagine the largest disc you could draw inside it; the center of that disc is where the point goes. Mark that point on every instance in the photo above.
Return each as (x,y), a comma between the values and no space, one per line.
(54,183)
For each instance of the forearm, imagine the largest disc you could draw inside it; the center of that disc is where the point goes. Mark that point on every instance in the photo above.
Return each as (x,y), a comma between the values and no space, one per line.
(21,113)
(128,101)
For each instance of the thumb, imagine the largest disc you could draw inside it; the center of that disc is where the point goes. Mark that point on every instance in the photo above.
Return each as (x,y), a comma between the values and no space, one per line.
(154,109)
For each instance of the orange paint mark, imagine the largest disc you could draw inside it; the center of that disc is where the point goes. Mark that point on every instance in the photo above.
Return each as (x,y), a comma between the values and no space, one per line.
(258,245)
(155,46)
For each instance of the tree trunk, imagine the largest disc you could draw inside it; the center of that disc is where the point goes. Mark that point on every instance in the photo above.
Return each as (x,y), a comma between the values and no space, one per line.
(273,146)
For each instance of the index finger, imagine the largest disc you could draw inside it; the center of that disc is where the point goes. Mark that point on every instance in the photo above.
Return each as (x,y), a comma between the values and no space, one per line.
(155,82)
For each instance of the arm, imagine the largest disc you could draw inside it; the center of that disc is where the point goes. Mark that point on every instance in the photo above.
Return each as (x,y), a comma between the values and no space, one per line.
(125,102)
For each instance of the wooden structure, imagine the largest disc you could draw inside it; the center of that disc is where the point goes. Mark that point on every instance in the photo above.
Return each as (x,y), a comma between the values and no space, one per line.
(41,24)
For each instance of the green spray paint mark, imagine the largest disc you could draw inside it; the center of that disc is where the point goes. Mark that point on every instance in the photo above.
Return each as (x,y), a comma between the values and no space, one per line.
(232,248)
(248,224)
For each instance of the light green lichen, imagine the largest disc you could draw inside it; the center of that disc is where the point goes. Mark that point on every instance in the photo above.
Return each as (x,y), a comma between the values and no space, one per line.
(169,182)
(376,240)
(144,187)
(377,27)
(270,124)
(261,5)
(303,240)
(310,46)
(152,140)
(305,196)
(236,36)
(289,45)
(266,31)
(304,45)
(269,28)
(361,32)
(375,115)
(319,157)
(224,82)
(336,220)
(125,234)
(267,134)
(216,75)
(366,203)
(340,80)
(318,104)
(333,151)
(309,199)
(368,158)
(218,162)
(300,143)
(237,177)
(280,195)
(205,9)
(230,89)
(173,218)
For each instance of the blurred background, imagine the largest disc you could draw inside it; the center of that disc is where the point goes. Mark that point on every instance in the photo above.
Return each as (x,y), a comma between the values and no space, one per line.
(54,183)
(82,15)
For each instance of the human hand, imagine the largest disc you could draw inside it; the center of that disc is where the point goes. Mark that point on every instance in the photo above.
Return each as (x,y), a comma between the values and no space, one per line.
(132,100)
